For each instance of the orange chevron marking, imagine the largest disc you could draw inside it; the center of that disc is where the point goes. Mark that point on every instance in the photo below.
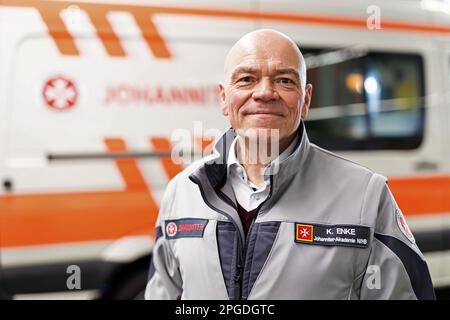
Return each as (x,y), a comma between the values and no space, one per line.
(162,144)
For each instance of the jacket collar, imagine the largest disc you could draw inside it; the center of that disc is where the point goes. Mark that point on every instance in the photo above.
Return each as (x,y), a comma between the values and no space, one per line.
(212,175)
(282,172)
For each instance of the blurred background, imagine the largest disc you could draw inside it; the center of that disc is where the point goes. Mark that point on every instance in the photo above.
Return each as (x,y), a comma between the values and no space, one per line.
(92,93)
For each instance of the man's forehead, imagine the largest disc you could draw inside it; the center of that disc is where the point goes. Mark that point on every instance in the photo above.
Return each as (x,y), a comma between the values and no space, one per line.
(262,58)
(263,66)
(265,50)
(254,52)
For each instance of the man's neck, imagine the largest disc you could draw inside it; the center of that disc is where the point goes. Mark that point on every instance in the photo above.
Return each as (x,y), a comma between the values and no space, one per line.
(254,165)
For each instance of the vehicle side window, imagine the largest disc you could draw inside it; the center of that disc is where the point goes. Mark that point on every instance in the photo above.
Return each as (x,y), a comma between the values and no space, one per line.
(365,100)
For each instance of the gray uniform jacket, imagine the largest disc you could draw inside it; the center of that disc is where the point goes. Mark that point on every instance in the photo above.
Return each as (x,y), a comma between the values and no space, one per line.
(330,229)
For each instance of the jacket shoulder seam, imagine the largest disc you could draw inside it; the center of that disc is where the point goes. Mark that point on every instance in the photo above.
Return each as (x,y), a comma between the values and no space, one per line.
(332,154)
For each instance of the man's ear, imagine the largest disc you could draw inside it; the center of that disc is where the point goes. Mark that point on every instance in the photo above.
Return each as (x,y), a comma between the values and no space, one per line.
(223,104)
(306,100)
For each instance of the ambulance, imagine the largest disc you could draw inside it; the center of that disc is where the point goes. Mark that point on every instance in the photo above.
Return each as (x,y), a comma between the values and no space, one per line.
(94,93)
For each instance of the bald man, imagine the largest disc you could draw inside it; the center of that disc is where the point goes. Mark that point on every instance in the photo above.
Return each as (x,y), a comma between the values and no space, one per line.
(270,215)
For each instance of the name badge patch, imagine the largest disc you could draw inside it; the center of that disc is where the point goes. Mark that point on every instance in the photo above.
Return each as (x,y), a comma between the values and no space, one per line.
(185,228)
(332,235)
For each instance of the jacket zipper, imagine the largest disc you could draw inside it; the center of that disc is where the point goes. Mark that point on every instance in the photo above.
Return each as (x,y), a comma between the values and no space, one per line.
(240,261)
(244,256)
(238,273)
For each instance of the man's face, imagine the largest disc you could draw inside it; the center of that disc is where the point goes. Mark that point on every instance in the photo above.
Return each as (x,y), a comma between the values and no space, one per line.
(262,89)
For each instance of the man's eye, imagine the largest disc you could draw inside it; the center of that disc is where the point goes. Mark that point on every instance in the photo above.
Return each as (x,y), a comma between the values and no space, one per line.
(245,79)
(285,81)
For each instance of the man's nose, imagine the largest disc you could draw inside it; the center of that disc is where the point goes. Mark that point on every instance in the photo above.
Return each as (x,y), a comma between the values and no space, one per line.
(265,91)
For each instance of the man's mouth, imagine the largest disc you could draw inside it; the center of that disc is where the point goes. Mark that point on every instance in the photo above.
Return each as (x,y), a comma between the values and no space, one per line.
(263,113)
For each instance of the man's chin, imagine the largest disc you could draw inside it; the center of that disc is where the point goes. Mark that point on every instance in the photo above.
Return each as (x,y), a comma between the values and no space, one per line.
(260,132)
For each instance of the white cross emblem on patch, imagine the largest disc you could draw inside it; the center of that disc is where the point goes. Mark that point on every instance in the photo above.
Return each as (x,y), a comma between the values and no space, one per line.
(304,232)
(171,229)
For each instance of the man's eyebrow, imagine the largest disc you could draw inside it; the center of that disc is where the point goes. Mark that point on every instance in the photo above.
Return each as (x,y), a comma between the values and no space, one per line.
(249,69)
(288,71)
(242,69)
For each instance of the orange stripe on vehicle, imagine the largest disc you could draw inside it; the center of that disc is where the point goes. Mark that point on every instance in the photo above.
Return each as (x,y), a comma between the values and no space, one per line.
(73,217)
(36,219)
(421,195)
(62,218)
(151,35)
(57,29)
(127,166)
(133,178)
(161,144)
(105,32)
(205,144)
(156,42)
(360,23)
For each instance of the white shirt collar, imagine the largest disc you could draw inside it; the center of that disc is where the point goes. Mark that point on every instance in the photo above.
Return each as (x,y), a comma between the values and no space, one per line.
(232,160)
